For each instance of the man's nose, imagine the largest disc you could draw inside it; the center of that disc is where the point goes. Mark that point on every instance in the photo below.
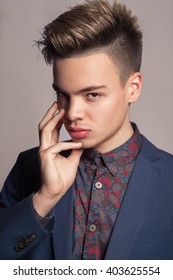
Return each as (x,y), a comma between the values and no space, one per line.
(75,109)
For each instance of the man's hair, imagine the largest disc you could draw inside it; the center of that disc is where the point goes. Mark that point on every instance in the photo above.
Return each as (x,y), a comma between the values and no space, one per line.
(96,26)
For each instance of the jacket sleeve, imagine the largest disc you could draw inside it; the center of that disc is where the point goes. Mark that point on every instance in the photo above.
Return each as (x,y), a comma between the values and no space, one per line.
(20,231)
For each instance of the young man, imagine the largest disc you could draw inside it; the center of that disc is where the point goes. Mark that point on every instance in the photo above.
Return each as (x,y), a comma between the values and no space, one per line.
(108,193)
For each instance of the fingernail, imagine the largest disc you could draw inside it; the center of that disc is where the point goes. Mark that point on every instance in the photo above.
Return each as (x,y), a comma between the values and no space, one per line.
(61,110)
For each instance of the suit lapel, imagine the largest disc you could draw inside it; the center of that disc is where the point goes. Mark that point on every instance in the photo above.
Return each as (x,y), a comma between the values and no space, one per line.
(135,207)
(62,232)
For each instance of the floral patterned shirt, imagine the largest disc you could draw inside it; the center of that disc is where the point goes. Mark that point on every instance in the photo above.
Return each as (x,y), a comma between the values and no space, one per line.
(99,188)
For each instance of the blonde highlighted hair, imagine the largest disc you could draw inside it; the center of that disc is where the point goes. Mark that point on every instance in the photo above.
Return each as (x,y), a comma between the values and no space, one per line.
(93,26)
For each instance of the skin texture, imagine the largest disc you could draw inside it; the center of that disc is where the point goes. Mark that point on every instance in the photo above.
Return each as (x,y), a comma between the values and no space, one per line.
(94,108)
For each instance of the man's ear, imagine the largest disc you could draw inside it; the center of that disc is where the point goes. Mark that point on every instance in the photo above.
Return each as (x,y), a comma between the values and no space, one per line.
(134,87)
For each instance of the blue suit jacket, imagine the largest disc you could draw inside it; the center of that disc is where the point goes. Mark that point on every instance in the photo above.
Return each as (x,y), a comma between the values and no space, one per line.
(143,230)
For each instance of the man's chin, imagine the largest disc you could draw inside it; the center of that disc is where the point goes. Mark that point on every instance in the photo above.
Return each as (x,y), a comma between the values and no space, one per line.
(86,144)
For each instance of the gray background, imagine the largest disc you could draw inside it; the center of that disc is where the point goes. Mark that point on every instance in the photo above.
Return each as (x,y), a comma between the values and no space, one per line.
(25,80)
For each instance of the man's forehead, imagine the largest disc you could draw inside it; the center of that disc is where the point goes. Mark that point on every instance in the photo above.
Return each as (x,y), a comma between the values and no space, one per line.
(84,73)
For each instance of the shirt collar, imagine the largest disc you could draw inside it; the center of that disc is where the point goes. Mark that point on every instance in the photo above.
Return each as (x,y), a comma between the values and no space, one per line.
(118,157)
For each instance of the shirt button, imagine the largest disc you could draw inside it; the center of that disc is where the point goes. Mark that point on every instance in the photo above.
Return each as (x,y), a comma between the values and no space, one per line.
(92,228)
(114,169)
(98,185)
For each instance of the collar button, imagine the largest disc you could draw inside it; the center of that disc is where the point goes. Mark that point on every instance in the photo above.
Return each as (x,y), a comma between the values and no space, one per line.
(98,185)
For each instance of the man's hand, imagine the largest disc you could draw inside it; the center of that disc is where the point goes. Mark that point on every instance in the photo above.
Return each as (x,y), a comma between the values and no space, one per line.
(57,172)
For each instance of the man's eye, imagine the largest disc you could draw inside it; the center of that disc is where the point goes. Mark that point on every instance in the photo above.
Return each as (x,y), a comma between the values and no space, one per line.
(93,96)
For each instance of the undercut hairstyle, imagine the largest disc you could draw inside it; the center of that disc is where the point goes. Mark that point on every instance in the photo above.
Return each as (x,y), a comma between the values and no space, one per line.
(95,26)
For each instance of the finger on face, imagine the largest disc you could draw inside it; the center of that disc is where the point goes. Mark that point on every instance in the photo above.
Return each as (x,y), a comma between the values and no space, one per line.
(49,115)
(56,121)
(55,133)
(49,133)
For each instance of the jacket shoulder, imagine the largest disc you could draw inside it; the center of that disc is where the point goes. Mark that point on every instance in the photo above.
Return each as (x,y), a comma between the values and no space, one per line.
(155,154)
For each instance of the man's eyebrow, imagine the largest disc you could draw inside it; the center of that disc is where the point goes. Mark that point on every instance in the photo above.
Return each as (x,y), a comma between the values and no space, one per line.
(91,88)
(88,89)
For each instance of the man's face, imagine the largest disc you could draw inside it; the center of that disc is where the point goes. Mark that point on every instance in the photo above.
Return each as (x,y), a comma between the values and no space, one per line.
(96,105)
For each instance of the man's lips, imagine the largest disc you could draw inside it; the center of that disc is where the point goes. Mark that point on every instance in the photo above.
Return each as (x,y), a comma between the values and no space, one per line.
(78,132)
